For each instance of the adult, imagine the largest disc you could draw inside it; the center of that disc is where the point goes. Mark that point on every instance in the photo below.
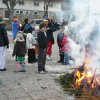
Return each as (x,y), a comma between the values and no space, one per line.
(25,27)
(15,27)
(4,43)
(50,29)
(60,37)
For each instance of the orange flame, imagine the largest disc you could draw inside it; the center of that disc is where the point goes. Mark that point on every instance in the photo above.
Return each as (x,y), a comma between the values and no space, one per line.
(87,74)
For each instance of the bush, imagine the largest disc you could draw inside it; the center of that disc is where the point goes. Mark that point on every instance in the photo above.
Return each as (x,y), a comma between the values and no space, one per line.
(66,80)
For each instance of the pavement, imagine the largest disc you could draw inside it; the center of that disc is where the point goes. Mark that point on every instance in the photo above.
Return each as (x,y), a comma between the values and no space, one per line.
(31,85)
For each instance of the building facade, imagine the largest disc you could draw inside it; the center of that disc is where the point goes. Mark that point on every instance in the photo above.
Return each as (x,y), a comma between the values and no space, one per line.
(33,9)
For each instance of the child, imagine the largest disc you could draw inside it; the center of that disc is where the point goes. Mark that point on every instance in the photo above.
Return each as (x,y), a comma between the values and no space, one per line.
(35,33)
(30,44)
(66,49)
(20,51)
(42,44)
(60,37)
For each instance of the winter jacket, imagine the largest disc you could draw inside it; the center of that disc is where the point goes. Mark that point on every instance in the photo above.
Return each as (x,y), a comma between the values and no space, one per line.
(15,28)
(65,44)
(42,40)
(3,36)
(26,28)
(30,41)
(19,49)
(60,37)
(50,32)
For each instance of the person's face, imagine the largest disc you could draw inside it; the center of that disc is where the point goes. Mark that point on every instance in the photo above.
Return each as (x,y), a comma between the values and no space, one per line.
(28,21)
(43,29)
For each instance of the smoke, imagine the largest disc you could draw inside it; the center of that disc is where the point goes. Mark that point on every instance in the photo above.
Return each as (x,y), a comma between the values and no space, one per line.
(85,32)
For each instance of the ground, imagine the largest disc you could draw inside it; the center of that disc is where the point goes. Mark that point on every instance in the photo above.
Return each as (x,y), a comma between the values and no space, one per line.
(31,85)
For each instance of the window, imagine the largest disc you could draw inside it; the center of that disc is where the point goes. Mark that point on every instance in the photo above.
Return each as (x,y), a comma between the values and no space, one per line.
(35,13)
(21,12)
(36,3)
(17,12)
(27,12)
(21,2)
(51,4)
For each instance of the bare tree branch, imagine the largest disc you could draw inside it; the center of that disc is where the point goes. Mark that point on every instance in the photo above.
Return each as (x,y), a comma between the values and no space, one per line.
(46,6)
(10,6)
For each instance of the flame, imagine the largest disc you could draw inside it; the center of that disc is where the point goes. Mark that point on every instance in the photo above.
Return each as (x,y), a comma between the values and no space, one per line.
(89,74)
(81,76)
(86,76)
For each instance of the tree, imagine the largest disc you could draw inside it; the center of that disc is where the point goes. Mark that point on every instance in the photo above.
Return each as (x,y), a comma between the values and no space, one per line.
(10,6)
(46,6)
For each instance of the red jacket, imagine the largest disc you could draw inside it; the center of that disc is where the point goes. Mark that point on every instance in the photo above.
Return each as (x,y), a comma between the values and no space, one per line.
(65,44)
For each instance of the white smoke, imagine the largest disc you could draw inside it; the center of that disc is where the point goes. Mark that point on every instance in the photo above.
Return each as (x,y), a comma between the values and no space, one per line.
(84,30)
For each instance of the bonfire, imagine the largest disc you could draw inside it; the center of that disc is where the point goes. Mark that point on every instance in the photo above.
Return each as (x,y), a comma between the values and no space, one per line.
(84,82)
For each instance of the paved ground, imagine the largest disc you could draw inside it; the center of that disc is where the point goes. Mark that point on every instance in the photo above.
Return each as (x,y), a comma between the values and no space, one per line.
(31,85)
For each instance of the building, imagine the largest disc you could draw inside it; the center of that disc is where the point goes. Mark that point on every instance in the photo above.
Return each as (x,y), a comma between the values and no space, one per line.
(33,9)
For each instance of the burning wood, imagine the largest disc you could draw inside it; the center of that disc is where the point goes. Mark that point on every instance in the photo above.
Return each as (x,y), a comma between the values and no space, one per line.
(85,79)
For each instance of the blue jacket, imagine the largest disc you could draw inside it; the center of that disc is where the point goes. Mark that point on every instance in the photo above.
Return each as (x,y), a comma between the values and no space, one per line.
(15,28)
(60,37)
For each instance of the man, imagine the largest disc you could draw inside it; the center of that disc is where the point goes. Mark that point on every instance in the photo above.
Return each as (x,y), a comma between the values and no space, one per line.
(50,29)
(25,27)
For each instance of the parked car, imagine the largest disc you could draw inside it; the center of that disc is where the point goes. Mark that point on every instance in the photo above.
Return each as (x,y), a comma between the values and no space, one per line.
(36,22)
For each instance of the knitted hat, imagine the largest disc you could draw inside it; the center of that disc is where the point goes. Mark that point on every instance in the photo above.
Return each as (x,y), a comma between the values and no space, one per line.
(45,20)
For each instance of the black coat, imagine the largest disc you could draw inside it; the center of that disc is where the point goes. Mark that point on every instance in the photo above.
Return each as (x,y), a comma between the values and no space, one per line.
(42,40)
(50,32)
(3,36)
(19,49)
(26,28)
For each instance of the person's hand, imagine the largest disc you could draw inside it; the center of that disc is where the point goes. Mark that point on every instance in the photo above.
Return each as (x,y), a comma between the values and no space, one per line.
(12,55)
(48,28)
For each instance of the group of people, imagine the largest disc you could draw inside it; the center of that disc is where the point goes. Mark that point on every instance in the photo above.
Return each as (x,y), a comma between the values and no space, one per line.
(36,42)
(63,42)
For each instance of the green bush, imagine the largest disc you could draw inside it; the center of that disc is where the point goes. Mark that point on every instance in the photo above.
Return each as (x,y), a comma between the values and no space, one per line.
(66,80)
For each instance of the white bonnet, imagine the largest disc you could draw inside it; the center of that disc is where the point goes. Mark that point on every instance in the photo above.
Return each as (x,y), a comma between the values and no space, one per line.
(19,36)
